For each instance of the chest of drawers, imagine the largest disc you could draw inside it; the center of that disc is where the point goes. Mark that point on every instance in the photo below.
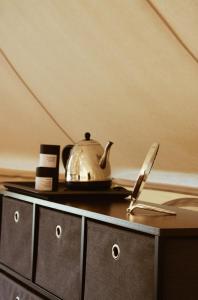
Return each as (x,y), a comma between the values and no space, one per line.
(92,249)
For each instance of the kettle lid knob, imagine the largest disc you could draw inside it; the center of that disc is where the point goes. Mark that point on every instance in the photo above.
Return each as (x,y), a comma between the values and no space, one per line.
(87,136)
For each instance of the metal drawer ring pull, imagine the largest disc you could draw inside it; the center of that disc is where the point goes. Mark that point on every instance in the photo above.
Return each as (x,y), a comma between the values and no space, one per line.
(17,298)
(58,231)
(115,252)
(16,219)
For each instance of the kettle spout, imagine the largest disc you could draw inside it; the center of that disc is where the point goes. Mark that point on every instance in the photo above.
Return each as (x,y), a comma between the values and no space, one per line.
(103,160)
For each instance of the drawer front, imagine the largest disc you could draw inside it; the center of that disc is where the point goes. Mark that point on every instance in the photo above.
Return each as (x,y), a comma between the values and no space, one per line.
(1,196)
(119,264)
(16,235)
(10,290)
(58,256)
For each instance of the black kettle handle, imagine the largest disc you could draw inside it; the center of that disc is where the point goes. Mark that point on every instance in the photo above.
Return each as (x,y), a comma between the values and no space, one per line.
(65,154)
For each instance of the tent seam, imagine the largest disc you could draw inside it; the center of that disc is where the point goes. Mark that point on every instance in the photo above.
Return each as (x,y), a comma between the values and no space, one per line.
(34,95)
(163,19)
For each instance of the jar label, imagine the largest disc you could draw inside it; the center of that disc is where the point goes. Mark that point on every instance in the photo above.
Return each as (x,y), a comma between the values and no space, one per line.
(43,183)
(47,160)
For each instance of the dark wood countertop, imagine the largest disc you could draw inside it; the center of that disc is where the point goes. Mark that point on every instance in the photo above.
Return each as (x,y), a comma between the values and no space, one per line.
(184,223)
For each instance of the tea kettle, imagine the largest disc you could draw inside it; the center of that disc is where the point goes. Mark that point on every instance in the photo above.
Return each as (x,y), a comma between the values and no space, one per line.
(87,164)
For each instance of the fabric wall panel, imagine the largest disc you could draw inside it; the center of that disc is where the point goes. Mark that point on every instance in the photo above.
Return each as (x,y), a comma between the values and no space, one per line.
(113,68)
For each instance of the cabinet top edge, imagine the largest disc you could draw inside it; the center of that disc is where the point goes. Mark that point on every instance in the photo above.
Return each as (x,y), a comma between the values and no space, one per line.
(184,223)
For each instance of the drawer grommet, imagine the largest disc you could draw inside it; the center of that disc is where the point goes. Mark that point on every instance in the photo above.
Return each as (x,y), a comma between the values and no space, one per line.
(16,219)
(115,252)
(58,231)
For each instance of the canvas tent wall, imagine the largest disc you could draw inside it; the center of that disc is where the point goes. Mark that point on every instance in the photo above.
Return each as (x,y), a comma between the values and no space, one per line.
(123,70)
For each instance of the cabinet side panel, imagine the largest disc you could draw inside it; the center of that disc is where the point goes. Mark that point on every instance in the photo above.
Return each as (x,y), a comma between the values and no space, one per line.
(131,276)
(179,269)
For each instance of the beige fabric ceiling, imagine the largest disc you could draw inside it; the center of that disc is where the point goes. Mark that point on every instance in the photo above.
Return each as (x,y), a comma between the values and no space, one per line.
(124,70)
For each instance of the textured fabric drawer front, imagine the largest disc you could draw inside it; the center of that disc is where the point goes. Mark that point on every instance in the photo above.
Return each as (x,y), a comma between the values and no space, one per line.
(16,235)
(1,196)
(10,290)
(58,257)
(127,275)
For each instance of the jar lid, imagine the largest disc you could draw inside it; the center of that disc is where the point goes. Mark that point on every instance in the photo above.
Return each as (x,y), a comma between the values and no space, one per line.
(50,149)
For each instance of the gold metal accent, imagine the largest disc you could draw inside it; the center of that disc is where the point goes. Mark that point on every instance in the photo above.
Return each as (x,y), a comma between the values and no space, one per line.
(150,207)
(16,216)
(115,252)
(58,231)
(142,177)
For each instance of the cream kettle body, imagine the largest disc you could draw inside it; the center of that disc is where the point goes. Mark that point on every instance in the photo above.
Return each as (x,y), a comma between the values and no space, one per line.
(87,164)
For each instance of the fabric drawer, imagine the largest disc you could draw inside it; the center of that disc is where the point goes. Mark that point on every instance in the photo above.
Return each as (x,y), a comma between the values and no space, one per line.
(16,235)
(58,256)
(119,264)
(10,290)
